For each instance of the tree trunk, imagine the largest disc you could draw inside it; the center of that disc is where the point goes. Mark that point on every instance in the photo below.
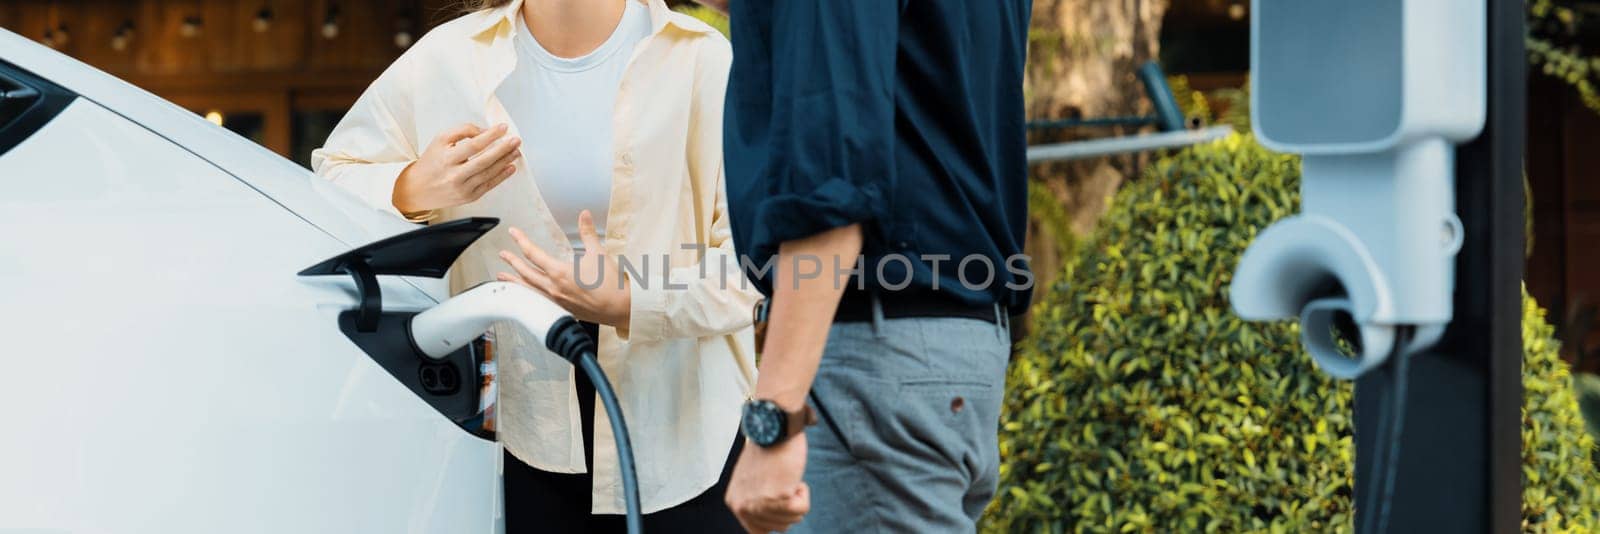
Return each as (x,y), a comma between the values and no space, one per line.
(1084,56)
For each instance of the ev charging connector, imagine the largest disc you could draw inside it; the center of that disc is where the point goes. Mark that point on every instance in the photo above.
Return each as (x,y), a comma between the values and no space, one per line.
(439,332)
(449,326)
(1375,94)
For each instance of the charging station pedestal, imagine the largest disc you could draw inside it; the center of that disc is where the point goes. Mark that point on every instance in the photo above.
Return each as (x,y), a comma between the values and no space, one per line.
(1409,115)
(1461,459)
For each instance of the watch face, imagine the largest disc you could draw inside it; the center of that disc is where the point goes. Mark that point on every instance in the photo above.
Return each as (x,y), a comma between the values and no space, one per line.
(763,423)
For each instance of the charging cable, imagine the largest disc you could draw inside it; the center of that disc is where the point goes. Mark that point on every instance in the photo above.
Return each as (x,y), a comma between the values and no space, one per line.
(456,322)
(568,339)
(1391,424)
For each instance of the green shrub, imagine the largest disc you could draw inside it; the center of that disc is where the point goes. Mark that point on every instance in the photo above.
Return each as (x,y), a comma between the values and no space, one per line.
(1142,404)
(1561,490)
(709,16)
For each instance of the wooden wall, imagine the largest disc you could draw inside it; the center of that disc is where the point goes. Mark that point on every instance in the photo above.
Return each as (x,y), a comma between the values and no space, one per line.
(231,63)
(1563,163)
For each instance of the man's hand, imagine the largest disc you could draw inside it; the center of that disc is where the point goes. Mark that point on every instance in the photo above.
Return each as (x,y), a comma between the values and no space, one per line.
(458,167)
(766,492)
(594,292)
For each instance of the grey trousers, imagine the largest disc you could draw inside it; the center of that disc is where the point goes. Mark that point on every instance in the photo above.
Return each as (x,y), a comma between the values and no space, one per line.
(917,407)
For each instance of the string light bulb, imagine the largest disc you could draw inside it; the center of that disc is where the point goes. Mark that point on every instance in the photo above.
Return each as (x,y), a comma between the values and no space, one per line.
(263,20)
(190,27)
(402,34)
(330,22)
(124,34)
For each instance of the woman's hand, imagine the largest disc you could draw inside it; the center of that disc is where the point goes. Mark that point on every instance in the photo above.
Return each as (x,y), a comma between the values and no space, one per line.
(458,167)
(594,291)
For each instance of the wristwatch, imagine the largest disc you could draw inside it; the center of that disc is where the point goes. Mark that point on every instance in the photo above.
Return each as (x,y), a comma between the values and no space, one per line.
(766,425)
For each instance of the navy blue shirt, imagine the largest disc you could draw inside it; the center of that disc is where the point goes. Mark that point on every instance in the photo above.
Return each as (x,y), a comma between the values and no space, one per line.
(903,115)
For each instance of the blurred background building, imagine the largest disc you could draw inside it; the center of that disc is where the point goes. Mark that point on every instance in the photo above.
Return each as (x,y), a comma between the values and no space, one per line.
(282,72)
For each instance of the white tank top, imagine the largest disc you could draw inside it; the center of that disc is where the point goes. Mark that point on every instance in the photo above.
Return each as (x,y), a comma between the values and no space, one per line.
(562,108)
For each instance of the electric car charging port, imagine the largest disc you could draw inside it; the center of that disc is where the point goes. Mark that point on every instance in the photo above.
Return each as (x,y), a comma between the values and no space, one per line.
(439,378)
(448,384)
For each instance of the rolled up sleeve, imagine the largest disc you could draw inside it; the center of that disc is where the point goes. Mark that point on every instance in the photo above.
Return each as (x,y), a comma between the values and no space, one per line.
(373,143)
(833,111)
(709,297)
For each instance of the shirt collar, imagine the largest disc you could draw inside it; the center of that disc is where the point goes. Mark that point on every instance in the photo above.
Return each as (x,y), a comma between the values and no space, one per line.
(501,21)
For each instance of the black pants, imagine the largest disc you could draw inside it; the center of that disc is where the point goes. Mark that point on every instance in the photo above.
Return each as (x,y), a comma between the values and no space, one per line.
(540,501)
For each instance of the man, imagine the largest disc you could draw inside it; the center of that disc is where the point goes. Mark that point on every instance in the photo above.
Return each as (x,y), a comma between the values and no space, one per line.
(892,130)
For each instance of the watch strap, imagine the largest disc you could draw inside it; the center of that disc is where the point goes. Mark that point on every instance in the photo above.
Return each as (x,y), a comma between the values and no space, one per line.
(797,421)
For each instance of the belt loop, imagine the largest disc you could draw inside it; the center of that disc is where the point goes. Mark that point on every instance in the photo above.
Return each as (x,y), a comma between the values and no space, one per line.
(877,315)
(1010,328)
(1000,322)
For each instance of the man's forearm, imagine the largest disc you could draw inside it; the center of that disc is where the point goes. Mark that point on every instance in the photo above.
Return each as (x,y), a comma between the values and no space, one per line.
(720,5)
(802,312)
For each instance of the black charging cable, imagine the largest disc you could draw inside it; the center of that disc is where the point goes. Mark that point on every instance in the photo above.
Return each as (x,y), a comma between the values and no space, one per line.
(1391,424)
(568,339)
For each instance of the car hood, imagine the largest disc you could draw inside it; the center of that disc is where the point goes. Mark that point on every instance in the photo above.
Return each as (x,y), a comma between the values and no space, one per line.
(316,201)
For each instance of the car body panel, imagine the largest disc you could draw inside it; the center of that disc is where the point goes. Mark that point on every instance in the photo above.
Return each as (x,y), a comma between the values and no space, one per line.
(168,372)
(319,202)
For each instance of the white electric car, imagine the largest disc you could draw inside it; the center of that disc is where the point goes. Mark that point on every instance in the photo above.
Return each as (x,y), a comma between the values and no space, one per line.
(166,367)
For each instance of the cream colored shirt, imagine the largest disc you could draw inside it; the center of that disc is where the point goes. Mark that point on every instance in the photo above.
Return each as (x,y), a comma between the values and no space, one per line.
(686,364)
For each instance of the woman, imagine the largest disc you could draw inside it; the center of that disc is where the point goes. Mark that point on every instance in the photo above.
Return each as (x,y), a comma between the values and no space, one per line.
(593,130)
